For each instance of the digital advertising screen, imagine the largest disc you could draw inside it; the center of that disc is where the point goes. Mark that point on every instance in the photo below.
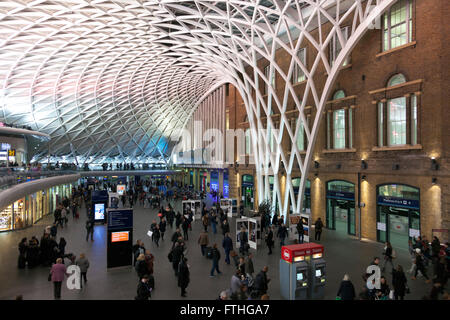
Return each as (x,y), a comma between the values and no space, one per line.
(99,211)
(120,236)
(120,189)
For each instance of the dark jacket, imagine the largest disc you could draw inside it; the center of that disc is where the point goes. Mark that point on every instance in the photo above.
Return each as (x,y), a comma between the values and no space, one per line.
(300,229)
(261,282)
(177,254)
(143,291)
(225,228)
(269,238)
(318,225)
(215,255)
(141,268)
(227,243)
(346,290)
(399,282)
(175,236)
(183,275)
(282,232)
(162,226)
(243,238)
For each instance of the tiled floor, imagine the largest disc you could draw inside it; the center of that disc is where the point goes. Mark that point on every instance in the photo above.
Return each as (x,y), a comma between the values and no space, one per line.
(343,255)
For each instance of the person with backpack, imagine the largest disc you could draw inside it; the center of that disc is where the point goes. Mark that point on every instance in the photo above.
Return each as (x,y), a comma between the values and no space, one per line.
(389,254)
(215,256)
(90,229)
(318,229)
(301,231)
(183,275)
(227,245)
(203,241)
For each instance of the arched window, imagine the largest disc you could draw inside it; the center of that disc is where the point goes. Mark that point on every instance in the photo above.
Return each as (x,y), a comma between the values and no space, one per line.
(339,95)
(396,79)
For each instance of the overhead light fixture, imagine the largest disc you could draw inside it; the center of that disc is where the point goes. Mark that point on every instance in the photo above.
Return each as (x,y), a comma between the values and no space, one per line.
(363,164)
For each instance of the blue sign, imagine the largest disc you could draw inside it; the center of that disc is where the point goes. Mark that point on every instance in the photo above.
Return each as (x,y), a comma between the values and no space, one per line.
(99,196)
(398,202)
(340,195)
(226,189)
(120,219)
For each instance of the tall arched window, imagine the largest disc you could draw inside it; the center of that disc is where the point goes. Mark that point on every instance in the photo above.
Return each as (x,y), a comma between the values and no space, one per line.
(339,125)
(397,25)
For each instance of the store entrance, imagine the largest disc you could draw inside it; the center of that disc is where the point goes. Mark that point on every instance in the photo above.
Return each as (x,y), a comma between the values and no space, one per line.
(341,207)
(247,190)
(341,215)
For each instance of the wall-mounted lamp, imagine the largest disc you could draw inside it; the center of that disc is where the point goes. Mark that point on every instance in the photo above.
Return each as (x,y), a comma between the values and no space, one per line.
(396,167)
(236,164)
(363,177)
(316,174)
(434,180)
(434,164)
(363,164)
(316,164)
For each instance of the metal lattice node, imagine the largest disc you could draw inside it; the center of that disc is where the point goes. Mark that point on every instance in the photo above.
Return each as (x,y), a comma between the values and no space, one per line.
(114,79)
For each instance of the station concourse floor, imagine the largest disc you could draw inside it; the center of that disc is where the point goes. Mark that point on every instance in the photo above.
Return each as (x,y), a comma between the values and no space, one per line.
(342,254)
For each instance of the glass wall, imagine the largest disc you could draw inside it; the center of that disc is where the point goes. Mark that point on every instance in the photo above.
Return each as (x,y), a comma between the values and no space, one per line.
(30,209)
(341,207)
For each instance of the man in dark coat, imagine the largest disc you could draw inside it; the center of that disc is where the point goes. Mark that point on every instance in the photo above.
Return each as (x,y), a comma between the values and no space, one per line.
(346,289)
(227,245)
(215,260)
(269,240)
(175,237)
(318,229)
(301,231)
(143,289)
(177,255)
(183,276)
(262,282)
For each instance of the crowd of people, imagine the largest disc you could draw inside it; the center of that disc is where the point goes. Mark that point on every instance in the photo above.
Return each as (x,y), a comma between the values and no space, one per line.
(245,283)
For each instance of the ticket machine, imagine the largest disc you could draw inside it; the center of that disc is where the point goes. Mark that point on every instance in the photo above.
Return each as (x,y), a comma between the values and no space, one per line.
(317,275)
(295,271)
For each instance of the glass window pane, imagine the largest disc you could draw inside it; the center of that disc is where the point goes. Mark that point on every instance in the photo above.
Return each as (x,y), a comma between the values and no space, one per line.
(300,138)
(339,129)
(328,131)
(380,124)
(397,121)
(350,128)
(413,119)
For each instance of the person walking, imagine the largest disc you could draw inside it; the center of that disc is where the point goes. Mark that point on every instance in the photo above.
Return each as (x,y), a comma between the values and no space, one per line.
(141,266)
(203,241)
(205,221)
(249,269)
(301,231)
(215,260)
(57,273)
(388,256)
(185,226)
(83,263)
(175,236)
(23,249)
(243,241)
(346,289)
(420,266)
(318,229)
(269,239)
(177,255)
(152,229)
(262,281)
(227,245)
(143,289)
(225,226)
(156,235)
(90,229)
(399,283)
(213,221)
(183,276)
(282,233)
(162,227)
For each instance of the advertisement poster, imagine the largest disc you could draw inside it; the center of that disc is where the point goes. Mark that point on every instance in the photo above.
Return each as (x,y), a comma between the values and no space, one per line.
(99,211)
(241,223)
(121,189)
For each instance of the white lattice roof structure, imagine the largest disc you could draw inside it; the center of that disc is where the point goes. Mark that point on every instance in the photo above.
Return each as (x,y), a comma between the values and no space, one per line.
(114,78)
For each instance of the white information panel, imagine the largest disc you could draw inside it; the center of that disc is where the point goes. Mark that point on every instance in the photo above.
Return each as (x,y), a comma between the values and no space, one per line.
(381,226)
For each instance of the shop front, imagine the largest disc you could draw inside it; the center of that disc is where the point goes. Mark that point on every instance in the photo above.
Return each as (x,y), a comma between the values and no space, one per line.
(30,209)
(214,185)
(398,214)
(341,207)
(226,184)
(247,190)
(204,181)
(306,207)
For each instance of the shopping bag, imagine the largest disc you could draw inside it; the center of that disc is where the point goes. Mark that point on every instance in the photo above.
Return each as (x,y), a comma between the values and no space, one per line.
(150,233)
